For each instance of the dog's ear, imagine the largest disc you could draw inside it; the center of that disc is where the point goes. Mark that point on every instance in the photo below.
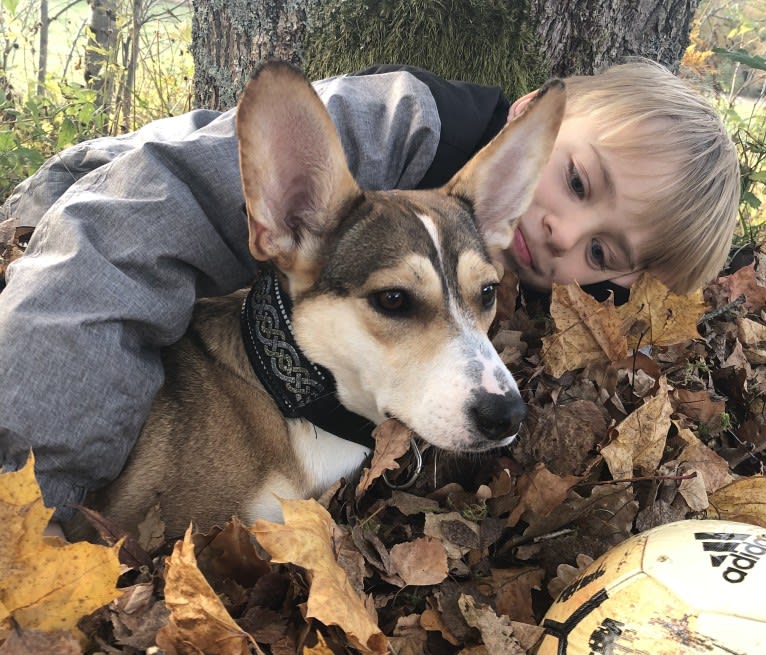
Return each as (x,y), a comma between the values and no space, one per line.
(294,171)
(500,180)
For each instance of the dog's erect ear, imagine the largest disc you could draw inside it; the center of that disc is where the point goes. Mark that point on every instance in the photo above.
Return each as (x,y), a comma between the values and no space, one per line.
(501,178)
(294,171)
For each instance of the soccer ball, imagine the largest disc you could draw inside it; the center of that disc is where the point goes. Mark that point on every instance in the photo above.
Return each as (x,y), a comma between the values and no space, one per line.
(685,588)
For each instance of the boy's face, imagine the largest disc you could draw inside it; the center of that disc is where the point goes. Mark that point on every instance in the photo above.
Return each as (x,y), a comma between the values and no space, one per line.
(580,225)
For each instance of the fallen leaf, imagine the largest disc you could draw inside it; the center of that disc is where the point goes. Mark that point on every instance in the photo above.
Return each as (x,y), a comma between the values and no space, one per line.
(46,584)
(540,492)
(27,642)
(496,631)
(656,315)
(641,437)
(420,562)
(409,637)
(743,500)
(198,621)
(744,282)
(698,405)
(137,616)
(512,591)
(305,540)
(587,332)
(392,440)
(321,647)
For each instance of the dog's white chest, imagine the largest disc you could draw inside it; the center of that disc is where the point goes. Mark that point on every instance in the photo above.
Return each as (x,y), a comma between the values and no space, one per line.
(324,457)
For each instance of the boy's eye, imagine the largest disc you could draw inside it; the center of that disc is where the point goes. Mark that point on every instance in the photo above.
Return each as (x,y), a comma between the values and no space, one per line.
(575,181)
(597,254)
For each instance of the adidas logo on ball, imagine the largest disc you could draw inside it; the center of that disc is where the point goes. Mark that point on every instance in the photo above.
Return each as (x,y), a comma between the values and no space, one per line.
(739,552)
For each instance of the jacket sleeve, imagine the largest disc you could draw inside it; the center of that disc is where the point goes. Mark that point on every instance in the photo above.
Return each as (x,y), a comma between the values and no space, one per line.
(470,115)
(129,232)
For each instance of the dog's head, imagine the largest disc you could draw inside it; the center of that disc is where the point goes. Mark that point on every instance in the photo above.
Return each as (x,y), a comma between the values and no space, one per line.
(393,292)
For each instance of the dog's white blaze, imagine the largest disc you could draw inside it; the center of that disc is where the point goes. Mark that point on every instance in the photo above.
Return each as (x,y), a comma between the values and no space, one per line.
(430,226)
(325,458)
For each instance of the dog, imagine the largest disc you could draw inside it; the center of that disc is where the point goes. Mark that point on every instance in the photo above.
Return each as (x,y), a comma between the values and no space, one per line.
(371,305)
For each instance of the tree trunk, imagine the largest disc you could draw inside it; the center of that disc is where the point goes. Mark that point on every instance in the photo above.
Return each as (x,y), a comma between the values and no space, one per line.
(42,65)
(102,23)
(514,44)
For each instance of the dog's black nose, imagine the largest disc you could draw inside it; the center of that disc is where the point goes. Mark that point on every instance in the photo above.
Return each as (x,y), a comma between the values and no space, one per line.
(498,415)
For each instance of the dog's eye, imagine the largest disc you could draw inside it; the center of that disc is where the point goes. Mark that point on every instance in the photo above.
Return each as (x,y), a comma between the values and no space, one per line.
(391,301)
(488,295)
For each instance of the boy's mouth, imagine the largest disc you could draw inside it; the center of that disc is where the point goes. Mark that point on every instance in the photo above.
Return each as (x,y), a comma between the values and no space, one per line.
(520,250)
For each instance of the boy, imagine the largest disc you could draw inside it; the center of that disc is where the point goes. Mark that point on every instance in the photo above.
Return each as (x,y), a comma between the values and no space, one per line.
(130,230)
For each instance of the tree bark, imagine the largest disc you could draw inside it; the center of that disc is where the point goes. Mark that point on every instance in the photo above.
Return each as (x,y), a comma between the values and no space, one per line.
(557,37)
(583,36)
(230,38)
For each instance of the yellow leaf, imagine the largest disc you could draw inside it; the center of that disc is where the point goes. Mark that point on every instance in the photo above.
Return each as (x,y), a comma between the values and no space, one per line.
(198,622)
(305,540)
(656,315)
(641,437)
(743,500)
(46,584)
(587,332)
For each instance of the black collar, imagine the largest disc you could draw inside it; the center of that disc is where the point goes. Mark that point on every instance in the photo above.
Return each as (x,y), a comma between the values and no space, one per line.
(301,388)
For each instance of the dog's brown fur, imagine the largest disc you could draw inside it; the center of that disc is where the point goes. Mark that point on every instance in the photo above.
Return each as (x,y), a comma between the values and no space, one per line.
(215,443)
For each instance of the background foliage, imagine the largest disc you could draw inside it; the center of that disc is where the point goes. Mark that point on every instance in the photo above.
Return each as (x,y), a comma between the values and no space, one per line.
(50,97)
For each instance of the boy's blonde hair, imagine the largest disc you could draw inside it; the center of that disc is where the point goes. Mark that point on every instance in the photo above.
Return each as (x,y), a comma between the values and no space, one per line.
(642,110)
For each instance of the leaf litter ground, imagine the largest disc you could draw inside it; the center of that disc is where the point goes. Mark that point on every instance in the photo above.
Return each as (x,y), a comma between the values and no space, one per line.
(640,415)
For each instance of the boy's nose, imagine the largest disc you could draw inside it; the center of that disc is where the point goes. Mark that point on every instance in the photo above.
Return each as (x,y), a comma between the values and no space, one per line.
(561,235)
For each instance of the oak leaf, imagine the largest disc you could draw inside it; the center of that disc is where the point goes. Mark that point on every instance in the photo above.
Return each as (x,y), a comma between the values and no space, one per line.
(46,583)
(198,621)
(655,315)
(496,631)
(305,540)
(587,332)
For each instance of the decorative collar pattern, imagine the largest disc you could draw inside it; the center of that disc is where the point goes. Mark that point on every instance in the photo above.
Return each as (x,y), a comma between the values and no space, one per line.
(301,388)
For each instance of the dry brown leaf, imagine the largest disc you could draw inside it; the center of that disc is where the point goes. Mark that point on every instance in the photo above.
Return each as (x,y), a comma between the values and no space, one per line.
(656,315)
(641,437)
(587,332)
(33,642)
(321,647)
(420,562)
(496,631)
(137,616)
(198,622)
(409,637)
(512,591)
(45,583)
(711,467)
(743,500)
(305,540)
(392,440)
(744,282)
(698,405)
(432,621)
(540,492)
